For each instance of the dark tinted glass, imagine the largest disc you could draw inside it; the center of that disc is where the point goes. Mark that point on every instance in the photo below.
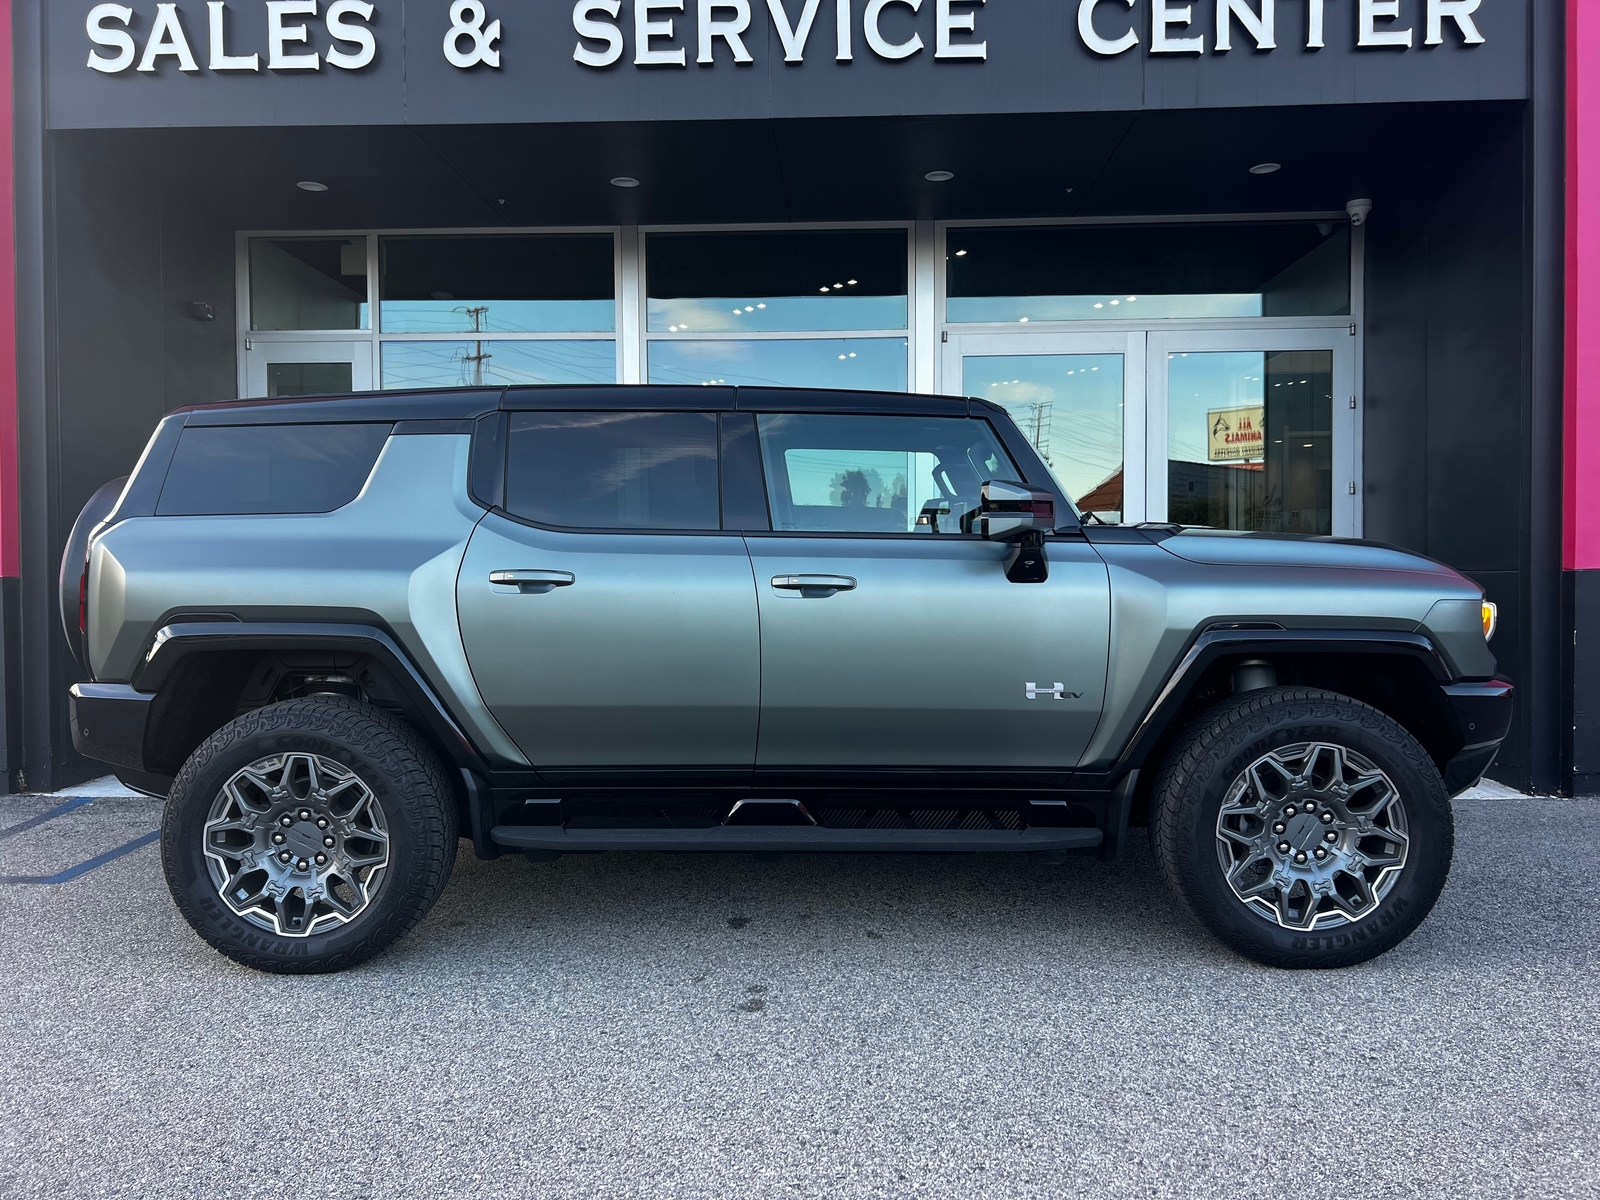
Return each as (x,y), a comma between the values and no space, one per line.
(544,283)
(614,470)
(769,282)
(744,494)
(1135,272)
(269,468)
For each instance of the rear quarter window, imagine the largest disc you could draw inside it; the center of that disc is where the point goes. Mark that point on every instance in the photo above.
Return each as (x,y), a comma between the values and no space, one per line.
(240,469)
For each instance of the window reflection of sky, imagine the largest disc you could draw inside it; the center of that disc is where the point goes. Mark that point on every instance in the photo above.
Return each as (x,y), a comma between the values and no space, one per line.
(776,314)
(498,316)
(1068,405)
(1197,384)
(455,364)
(872,364)
(1120,307)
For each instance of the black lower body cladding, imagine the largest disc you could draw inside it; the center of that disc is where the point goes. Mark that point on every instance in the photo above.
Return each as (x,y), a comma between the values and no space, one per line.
(1302,828)
(307,836)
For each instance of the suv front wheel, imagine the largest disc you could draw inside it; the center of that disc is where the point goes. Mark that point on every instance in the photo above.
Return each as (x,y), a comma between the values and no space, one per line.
(1302,828)
(308,835)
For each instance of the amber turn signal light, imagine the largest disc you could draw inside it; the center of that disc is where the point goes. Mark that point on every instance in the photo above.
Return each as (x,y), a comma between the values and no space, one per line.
(1491,618)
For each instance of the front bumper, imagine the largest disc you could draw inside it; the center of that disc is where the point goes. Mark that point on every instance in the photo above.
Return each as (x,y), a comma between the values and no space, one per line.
(1483,716)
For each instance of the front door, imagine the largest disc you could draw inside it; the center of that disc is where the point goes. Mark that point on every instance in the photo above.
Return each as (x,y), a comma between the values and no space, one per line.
(311,367)
(607,621)
(890,636)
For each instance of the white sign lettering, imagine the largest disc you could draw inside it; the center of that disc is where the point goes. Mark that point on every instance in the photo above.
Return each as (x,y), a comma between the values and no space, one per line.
(1105,28)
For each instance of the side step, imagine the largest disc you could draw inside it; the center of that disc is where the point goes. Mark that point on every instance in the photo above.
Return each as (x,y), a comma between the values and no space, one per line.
(783,839)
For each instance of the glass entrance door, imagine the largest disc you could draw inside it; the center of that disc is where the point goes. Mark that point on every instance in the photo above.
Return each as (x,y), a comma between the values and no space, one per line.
(306,368)
(1254,431)
(1079,398)
(1231,429)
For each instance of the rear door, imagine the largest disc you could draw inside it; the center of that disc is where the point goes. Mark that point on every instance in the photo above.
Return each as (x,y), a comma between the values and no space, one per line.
(890,637)
(609,622)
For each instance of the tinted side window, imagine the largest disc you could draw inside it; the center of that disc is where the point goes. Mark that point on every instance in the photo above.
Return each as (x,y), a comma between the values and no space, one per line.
(614,470)
(865,474)
(231,469)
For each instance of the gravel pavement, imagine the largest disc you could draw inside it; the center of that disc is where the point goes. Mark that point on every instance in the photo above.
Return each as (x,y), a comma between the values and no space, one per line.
(650,1025)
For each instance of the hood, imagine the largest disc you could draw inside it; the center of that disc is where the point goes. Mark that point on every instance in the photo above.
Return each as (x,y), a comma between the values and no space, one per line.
(1224,547)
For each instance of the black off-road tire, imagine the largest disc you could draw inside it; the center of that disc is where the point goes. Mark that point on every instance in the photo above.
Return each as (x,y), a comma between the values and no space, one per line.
(408,783)
(1211,754)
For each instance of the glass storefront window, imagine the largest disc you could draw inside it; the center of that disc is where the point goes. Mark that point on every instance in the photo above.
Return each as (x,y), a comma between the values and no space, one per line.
(1250,440)
(546,283)
(1070,407)
(870,364)
(498,363)
(1145,272)
(308,379)
(776,282)
(308,283)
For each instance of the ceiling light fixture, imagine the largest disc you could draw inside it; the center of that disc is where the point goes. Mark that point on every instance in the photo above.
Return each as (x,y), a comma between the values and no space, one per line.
(939,176)
(849,283)
(311,185)
(961,253)
(624,181)
(1265,168)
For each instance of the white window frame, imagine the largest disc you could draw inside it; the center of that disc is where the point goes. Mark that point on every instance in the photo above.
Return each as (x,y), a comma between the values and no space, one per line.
(375,335)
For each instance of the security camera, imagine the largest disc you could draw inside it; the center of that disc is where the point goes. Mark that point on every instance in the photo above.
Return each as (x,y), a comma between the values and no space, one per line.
(1358,210)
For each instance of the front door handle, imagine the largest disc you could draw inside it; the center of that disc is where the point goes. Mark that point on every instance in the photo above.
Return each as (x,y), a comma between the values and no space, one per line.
(813,585)
(532,583)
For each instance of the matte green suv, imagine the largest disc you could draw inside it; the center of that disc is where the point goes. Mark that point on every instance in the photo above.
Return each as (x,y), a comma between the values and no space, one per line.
(339,633)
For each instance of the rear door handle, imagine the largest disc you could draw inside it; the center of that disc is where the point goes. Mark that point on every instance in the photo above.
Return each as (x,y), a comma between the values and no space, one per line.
(534,583)
(813,585)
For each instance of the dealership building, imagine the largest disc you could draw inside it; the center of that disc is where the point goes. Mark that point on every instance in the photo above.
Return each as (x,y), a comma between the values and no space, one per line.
(1325,267)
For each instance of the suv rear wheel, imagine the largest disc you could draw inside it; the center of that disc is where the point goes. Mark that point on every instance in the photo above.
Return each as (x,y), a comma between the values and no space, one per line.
(307,836)
(1302,828)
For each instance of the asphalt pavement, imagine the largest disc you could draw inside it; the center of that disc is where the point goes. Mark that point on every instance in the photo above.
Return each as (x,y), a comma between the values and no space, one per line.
(704,1026)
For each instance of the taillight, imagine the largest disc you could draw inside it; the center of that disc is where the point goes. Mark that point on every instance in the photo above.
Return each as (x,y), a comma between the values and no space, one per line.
(83,601)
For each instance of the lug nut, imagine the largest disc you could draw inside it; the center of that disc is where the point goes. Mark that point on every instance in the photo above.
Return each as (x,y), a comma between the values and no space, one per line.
(1309,805)
(1330,836)
(1283,847)
(1279,827)
(1301,857)
(285,857)
(323,858)
(1327,817)
(328,842)
(1290,811)
(322,823)
(303,864)
(278,838)
(305,814)
(1319,854)
(286,820)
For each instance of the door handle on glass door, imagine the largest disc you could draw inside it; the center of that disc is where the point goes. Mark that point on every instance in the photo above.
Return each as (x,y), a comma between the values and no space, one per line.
(813,585)
(534,583)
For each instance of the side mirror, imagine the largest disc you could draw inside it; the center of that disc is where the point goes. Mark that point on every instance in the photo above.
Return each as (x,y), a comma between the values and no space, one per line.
(1015,513)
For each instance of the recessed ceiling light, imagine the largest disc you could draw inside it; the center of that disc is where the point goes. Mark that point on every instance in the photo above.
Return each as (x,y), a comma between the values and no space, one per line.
(850,283)
(1265,168)
(939,176)
(961,253)
(311,185)
(624,181)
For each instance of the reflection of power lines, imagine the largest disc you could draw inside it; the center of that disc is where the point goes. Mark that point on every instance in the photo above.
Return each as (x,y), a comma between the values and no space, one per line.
(1038,423)
(478,356)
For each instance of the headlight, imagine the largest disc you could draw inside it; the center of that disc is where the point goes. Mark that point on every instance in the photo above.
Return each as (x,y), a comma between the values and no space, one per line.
(1491,618)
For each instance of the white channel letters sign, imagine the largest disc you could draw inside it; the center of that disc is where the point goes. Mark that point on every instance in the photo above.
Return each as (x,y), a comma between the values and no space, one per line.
(309,35)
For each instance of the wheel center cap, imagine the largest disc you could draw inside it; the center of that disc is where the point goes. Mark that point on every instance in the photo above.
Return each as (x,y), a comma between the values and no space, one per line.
(303,838)
(1305,831)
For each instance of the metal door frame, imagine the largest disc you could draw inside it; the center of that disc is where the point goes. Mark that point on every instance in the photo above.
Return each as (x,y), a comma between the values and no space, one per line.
(259,352)
(1347,482)
(1128,343)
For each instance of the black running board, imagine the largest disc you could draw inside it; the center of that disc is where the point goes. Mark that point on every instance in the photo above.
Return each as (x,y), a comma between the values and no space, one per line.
(783,839)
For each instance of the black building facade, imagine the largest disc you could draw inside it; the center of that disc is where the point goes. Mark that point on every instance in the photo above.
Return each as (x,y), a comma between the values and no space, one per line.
(1264,264)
